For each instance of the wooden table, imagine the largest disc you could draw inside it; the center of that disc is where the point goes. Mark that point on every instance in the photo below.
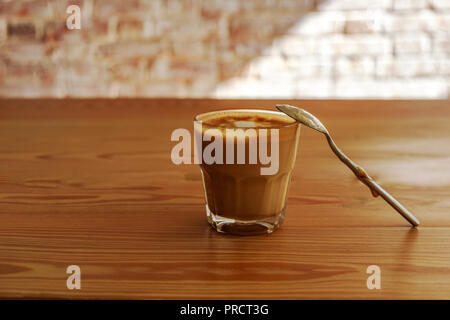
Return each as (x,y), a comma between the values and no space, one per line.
(91,183)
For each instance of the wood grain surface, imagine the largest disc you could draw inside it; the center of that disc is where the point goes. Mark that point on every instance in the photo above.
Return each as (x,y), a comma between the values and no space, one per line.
(91,183)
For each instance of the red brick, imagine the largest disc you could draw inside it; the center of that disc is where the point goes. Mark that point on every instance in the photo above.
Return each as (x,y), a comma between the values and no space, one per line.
(361,66)
(83,72)
(243,29)
(21,30)
(364,22)
(71,51)
(130,29)
(353,4)
(273,24)
(440,4)
(169,88)
(444,24)
(128,70)
(318,23)
(295,6)
(2,71)
(183,7)
(189,29)
(252,6)
(83,79)
(55,31)
(130,49)
(441,44)
(3,30)
(231,66)
(412,67)
(412,43)
(295,46)
(29,90)
(97,30)
(250,48)
(122,89)
(26,9)
(355,45)
(255,89)
(85,90)
(19,73)
(423,88)
(423,20)
(411,4)
(205,49)
(315,88)
(210,14)
(179,68)
(201,87)
(109,8)
(25,52)
(309,67)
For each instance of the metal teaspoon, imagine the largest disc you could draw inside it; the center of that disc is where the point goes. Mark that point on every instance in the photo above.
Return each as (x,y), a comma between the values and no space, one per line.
(311,121)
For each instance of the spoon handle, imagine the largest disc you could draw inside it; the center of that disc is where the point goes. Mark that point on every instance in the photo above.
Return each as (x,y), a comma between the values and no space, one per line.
(376,189)
(391,200)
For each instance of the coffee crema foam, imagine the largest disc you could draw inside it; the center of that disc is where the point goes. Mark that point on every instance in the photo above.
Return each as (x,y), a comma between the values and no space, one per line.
(246,120)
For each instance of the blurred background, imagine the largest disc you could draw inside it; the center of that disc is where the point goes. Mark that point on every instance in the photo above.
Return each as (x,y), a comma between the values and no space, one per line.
(227,49)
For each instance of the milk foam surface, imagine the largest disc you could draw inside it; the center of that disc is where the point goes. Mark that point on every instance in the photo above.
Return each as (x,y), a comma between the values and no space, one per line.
(244,119)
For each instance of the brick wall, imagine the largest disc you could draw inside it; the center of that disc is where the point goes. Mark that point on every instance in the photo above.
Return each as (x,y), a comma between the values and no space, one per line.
(226,48)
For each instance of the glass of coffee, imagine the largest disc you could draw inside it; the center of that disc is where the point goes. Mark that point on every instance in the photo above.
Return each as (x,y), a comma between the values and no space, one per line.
(246,159)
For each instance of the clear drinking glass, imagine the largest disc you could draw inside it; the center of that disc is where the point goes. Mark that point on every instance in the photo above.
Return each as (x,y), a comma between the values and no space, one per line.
(240,199)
